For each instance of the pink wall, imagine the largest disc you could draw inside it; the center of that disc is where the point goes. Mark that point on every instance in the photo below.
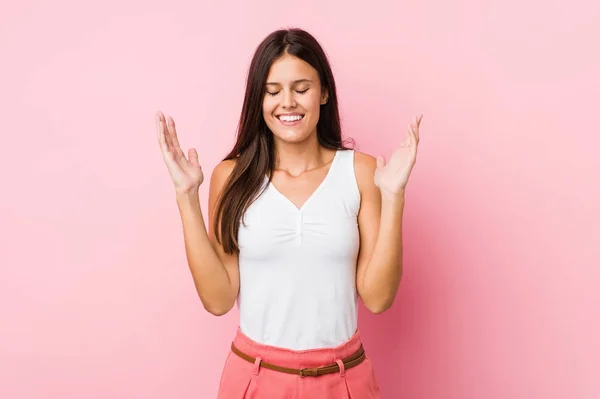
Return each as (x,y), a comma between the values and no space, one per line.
(500,296)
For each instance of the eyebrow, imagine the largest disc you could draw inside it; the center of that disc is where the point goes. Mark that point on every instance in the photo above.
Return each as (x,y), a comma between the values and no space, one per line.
(294,82)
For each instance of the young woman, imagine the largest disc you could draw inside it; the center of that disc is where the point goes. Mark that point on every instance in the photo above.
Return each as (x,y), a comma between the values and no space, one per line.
(300,226)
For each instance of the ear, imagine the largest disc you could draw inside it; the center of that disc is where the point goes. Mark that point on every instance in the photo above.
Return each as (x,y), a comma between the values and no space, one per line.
(324,96)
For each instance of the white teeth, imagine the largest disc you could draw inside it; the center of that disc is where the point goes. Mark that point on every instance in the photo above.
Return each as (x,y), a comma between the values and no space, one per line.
(294,118)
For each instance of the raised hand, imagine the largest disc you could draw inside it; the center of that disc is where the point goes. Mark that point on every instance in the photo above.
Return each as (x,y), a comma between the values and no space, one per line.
(393,177)
(186,173)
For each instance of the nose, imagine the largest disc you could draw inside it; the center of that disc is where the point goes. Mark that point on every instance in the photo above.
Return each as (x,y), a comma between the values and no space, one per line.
(288,100)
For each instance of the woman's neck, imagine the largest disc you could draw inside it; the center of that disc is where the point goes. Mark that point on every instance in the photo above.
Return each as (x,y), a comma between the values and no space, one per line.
(296,159)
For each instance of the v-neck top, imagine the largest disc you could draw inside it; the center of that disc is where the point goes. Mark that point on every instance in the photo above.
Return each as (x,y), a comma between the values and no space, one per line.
(298,265)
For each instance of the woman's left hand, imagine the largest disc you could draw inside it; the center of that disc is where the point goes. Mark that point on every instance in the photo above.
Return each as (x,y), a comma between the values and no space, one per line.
(392,178)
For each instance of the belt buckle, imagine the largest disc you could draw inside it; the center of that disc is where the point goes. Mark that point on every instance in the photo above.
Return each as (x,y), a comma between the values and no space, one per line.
(306,372)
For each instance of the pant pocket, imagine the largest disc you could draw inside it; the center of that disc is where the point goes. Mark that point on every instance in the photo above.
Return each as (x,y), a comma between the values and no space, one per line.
(235,378)
(361,382)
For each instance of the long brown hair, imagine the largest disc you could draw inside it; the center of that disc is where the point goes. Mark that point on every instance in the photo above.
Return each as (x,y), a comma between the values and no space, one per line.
(254,150)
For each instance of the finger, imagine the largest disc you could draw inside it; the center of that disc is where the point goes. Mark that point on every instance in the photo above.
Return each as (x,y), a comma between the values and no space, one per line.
(157,124)
(408,139)
(193,155)
(415,131)
(413,136)
(157,119)
(160,129)
(415,123)
(414,143)
(173,136)
(166,136)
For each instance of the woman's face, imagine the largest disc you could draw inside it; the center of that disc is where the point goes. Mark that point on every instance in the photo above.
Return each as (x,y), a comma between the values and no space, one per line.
(292,101)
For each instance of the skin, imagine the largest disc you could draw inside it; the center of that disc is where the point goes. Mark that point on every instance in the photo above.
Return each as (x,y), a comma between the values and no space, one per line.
(215,275)
(301,165)
(293,86)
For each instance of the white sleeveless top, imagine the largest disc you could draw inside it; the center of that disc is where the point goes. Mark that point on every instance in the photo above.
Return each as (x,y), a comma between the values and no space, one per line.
(298,266)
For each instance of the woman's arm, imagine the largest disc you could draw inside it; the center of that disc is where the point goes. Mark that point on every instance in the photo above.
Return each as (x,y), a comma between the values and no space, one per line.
(215,273)
(382,187)
(379,267)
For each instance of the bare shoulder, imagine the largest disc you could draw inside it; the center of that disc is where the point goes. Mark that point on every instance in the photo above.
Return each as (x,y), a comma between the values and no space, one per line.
(223,169)
(221,173)
(364,160)
(364,169)
(219,177)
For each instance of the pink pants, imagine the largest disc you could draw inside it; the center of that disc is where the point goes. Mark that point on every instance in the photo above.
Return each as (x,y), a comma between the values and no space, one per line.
(241,379)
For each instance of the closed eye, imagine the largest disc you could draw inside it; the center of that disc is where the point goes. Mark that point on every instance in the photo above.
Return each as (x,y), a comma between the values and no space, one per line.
(277,92)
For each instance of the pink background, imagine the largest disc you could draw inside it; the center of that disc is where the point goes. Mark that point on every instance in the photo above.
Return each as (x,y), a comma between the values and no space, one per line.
(501,290)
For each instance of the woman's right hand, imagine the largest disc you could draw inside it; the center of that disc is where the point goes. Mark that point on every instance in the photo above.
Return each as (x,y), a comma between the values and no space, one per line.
(186,173)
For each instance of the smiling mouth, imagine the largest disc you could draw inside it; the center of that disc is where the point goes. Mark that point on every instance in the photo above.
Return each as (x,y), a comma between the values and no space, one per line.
(290,118)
